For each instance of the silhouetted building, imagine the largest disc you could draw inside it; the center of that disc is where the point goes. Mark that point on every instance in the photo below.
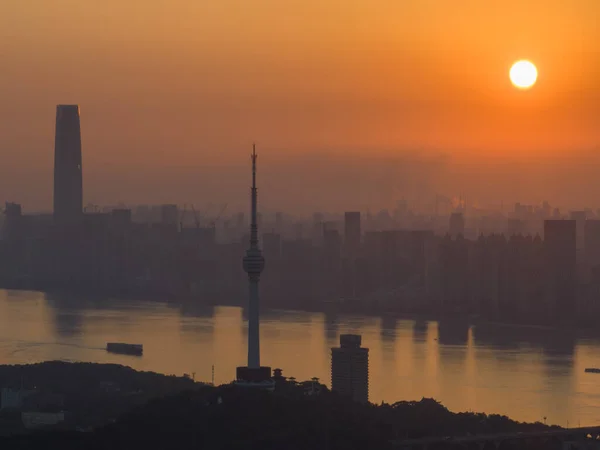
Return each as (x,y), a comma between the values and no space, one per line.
(279,222)
(12,210)
(121,219)
(331,225)
(332,251)
(350,368)
(317,227)
(561,267)
(298,230)
(329,264)
(169,215)
(457,224)
(352,233)
(592,242)
(515,226)
(297,268)
(13,223)
(579,218)
(454,274)
(271,288)
(68,182)
(272,246)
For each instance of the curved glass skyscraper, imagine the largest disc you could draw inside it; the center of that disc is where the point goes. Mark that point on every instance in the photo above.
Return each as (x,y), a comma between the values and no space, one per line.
(68,182)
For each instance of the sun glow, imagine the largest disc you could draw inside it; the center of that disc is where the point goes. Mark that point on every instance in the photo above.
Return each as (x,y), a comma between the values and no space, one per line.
(523,74)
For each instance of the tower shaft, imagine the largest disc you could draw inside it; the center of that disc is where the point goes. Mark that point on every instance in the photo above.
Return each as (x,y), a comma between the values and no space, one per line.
(253,266)
(253,326)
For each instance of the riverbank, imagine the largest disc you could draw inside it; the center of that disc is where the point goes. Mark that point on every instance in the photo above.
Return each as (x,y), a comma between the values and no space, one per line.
(178,413)
(88,394)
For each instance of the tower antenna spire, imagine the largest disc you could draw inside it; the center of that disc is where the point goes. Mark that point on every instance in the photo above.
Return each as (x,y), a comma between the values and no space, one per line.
(254,202)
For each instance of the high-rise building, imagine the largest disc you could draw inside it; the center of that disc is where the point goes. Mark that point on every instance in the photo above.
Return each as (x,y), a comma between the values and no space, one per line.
(169,215)
(68,182)
(515,227)
(579,218)
(272,246)
(12,227)
(591,241)
(352,233)
(560,256)
(350,368)
(457,224)
(121,219)
(279,222)
(317,228)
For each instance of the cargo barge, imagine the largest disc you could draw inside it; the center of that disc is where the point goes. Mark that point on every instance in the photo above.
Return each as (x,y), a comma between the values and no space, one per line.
(125,349)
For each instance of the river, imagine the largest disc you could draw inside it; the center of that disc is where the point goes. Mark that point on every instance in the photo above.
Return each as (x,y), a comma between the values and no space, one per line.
(526,373)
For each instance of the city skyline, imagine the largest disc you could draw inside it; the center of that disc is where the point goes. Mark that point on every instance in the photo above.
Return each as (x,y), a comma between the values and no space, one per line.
(429,224)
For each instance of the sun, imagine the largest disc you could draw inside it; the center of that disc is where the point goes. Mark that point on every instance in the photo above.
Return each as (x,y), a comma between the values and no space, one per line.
(523,74)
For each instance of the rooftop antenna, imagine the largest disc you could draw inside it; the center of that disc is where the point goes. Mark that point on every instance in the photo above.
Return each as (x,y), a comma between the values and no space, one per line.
(213,375)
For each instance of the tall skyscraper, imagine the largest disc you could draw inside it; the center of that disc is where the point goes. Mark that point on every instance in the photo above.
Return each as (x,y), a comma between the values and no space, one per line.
(350,368)
(592,242)
(560,237)
(254,374)
(68,182)
(457,224)
(352,233)
(579,218)
(169,216)
(515,227)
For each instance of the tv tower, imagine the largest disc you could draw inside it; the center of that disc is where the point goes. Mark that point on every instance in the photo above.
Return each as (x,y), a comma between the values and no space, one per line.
(254,374)
(254,264)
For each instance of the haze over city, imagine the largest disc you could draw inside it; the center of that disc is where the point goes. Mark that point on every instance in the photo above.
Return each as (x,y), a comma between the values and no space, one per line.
(251,224)
(354,104)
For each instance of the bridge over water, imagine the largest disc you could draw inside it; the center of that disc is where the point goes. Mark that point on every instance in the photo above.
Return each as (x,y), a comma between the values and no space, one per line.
(557,439)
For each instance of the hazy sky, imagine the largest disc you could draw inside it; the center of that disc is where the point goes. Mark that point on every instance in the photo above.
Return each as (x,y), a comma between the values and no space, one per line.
(173,92)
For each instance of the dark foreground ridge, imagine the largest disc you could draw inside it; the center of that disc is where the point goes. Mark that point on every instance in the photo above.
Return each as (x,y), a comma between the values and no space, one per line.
(185,414)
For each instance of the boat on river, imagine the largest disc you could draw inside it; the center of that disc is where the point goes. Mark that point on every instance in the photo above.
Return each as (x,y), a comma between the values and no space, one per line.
(592,370)
(125,349)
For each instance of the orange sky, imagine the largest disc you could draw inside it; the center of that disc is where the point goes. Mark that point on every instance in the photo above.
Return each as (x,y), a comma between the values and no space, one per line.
(186,83)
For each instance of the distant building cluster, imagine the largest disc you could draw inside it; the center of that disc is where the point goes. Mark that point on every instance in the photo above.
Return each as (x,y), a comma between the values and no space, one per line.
(550,276)
(532,264)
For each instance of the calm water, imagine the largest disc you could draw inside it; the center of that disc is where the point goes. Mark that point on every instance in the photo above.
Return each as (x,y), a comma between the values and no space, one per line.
(525,373)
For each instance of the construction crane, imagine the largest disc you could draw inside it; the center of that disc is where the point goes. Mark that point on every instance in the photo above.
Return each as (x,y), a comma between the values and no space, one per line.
(213,223)
(182,216)
(91,207)
(196,219)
